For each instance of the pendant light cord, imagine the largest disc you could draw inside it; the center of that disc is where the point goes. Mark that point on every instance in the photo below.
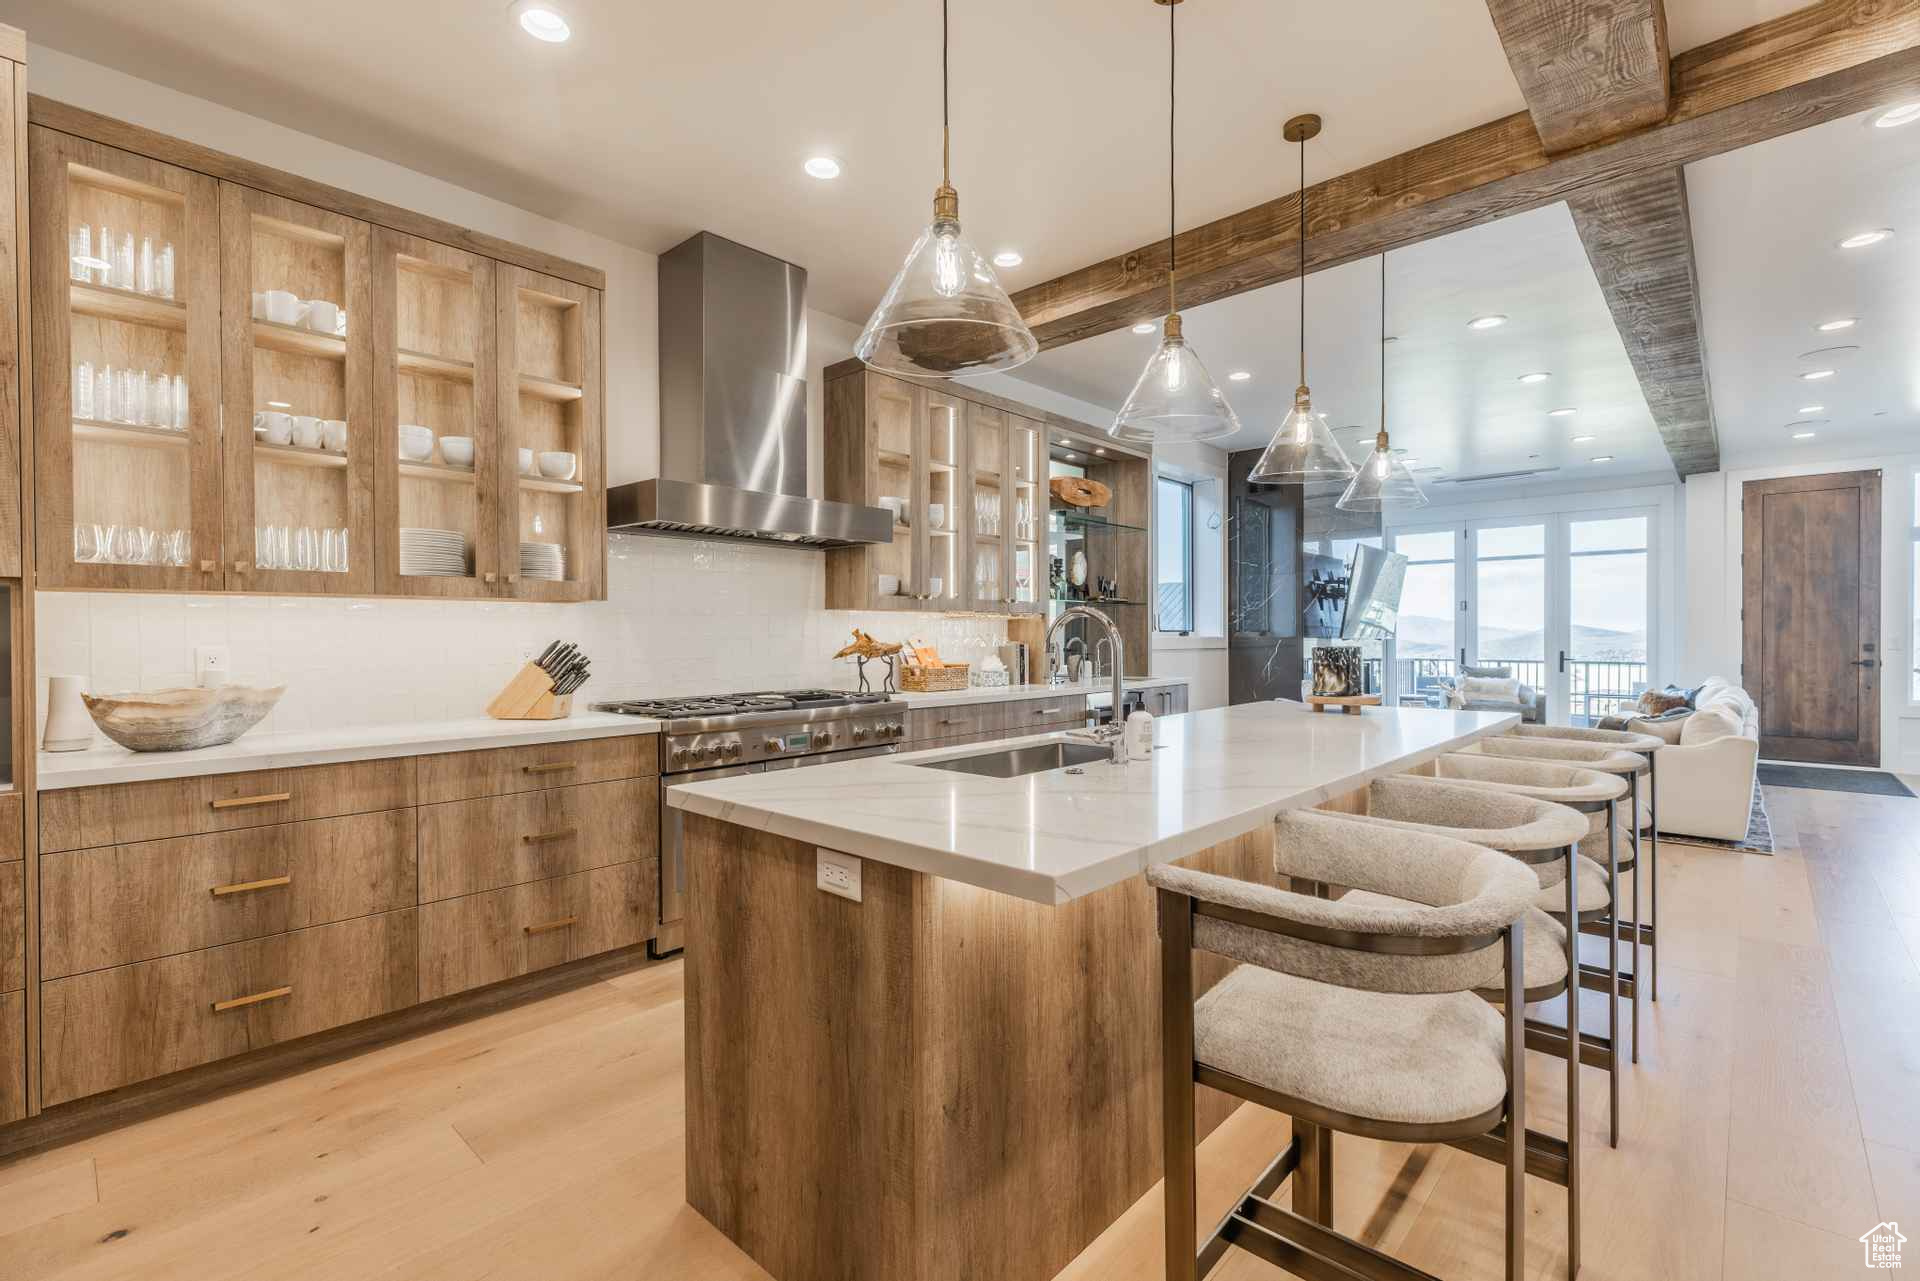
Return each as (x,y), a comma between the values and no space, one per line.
(1303,262)
(1383,342)
(946,174)
(1173,243)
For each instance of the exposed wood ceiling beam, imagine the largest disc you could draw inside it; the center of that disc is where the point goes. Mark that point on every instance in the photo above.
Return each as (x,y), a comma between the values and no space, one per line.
(1818,64)
(1640,242)
(1589,69)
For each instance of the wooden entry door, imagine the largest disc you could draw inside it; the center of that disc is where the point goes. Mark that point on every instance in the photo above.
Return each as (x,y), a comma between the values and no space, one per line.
(1811,616)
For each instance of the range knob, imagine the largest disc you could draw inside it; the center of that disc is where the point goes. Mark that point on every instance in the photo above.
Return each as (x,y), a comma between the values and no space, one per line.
(713,751)
(824,739)
(895,730)
(773,745)
(680,756)
(859,732)
(732,750)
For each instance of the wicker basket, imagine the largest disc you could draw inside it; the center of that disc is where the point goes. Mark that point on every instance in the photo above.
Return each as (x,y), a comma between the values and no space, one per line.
(933,680)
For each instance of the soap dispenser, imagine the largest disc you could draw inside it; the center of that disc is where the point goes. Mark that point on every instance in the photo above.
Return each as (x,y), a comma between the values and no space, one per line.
(1139,739)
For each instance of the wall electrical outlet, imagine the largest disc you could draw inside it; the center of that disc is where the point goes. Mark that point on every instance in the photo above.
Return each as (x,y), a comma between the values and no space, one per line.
(838,873)
(211,664)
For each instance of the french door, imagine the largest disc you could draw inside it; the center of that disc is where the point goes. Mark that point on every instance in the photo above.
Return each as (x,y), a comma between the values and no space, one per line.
(1565,602)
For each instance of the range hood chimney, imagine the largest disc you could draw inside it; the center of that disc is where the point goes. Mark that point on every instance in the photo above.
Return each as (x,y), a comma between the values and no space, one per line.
(733,409)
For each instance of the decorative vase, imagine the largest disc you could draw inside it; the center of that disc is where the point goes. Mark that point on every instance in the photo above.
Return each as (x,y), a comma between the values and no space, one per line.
(69,728)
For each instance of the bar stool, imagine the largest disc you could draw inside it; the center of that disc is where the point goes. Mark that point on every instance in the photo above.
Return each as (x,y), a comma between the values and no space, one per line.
(1534,832)
(1605,760)
(1597,884)
(1647,745)
(1354,1018)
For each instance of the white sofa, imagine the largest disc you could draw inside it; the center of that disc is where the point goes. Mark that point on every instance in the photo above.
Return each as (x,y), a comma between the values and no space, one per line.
(1705,774)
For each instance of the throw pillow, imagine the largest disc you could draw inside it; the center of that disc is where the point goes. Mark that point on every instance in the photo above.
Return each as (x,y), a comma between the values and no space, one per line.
(1490,689)
(1654,702)
(1708,725)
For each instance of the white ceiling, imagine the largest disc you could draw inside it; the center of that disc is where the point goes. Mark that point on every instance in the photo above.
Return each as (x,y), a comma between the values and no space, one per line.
(658,120)
(1456,402)
(1765,222)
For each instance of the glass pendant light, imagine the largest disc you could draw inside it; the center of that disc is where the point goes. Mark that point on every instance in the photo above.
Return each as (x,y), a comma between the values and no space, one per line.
(1303,450)
(1383,481)
(1175,399)
(945,314)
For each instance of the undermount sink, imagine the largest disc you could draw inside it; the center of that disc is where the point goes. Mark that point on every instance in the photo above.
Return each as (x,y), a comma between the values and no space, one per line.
(1035,758)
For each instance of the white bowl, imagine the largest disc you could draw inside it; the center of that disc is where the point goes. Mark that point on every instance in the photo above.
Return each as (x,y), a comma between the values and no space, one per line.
(457,451)
(936,515)
(898,506)
(557,464)
(889,584)
(416,442)
(526,462)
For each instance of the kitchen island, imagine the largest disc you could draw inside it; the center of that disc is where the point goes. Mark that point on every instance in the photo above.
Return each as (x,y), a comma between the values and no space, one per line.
(957,1075)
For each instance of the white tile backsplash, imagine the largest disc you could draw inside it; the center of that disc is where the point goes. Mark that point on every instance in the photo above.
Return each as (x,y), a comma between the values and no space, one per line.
(681,617)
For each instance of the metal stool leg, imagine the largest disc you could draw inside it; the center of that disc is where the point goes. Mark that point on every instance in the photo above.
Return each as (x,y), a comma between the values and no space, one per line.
(1517,1100)
(1573,1065)
(1176,1070)
(1633,804)
(1653,873)
(1613,974)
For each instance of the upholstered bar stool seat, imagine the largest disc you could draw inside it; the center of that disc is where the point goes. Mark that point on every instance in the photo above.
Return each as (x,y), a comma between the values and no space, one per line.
(1621,739)
(1590,887)
(1594,756)
(1415,1060)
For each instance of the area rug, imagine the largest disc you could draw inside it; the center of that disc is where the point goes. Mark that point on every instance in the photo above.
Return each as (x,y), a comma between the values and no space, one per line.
(1871,782)
(1759,837)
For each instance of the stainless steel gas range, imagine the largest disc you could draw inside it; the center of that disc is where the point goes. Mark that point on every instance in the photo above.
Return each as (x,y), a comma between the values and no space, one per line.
(734,734)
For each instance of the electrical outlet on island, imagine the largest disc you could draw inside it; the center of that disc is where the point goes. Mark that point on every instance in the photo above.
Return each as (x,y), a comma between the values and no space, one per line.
(838,873)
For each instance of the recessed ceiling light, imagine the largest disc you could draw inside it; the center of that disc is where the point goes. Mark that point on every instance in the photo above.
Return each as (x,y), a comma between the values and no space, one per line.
(1803,435)
(1486,322)
(1831,326)
(1601,458)
(1144,327)
(824,168)
(279,404)
(1893,117)
(1584,440)
(1535,377)
(1860,240)
(1561,413)
(1239,375)
(1008,258)
(1073,458)
(1810,409)
(1815,375)
(541,20)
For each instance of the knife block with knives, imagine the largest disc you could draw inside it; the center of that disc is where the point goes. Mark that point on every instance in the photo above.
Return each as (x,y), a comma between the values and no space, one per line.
(543,689)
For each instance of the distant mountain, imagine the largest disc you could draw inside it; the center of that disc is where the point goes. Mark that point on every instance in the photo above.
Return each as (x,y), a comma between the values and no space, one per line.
(1424,637)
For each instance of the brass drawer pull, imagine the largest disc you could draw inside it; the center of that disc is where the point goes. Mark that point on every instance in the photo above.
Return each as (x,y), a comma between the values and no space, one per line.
(246,887)
(543,838)
(271,994)
(548,927)
(558,767)
(1047,711)
(242,802)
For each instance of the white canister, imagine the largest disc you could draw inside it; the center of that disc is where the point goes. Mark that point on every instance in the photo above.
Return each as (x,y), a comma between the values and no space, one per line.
(1140,735)
(69,728)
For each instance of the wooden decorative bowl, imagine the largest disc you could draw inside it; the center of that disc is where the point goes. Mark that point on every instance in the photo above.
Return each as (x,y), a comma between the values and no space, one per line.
(1078,491)
(178,720)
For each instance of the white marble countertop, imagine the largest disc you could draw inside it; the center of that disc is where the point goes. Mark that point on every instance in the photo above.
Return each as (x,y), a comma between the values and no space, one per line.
(108,762)
(1051,837)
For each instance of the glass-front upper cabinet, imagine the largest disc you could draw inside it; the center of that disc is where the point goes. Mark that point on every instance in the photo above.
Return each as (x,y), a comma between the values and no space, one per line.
(985,518)
(437,508)
(551,546)
(942,517)
(1026,518)
(126,350)
(300,450)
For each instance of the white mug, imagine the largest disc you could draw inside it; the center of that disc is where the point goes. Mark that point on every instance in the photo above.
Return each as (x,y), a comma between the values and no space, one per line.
(284,308)
(259,305)
(275,426)
(333,435)
(323,317)
(306,431)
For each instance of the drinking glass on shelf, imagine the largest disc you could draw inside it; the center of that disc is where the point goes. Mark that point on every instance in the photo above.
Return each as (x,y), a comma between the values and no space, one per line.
(123,262)
(126,408)
(179,547)
(103,257)
(80,254)
(149,281)
(179,402)
(86,543)
(83,390)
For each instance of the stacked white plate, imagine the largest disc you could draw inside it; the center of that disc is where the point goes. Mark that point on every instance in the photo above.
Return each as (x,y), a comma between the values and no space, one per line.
(543,560)
(434,552)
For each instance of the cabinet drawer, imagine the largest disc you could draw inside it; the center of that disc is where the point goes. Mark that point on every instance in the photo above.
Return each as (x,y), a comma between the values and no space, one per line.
(484,938)
(13,1056)
(78,818)
(1038,715)
(13,926)
(113,1027)
(470,846)
(125,903)
(955,721)
(459,776)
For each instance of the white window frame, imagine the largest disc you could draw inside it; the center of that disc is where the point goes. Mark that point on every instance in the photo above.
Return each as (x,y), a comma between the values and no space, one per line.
(1188,542)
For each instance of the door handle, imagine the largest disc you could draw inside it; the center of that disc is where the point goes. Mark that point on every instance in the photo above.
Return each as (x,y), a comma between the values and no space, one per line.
(1563,662)
(1864,662)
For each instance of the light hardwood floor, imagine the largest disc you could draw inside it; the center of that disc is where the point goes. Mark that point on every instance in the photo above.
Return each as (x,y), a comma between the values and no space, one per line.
(1773,1118)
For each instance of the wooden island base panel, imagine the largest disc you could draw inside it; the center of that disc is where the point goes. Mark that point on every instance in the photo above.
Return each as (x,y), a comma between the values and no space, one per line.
(936,1082)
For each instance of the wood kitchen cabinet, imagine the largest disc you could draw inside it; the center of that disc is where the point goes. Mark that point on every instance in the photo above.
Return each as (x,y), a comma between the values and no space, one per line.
(155,479)
(128,478)
(1007,513)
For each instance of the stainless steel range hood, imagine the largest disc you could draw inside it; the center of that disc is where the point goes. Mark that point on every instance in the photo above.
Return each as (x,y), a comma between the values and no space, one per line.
(733,409)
